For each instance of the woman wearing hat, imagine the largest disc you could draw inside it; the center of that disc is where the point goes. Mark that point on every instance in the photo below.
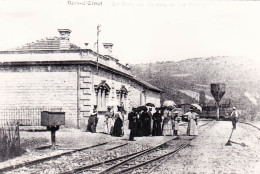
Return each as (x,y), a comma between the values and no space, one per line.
(109,122)
(234,117)
(118,126)
(146,122)
(176,119)
(167,122)
(93,120)
(192,122)
(157,120)
(139,126)
(132,117)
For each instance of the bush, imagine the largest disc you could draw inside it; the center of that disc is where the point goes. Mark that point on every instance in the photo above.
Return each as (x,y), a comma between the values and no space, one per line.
(9,141)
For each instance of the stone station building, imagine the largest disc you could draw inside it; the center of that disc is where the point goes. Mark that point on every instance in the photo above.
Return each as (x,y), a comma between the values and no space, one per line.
(53,74)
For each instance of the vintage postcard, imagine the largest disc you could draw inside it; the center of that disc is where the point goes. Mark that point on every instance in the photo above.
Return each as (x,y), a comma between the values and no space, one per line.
(129,86)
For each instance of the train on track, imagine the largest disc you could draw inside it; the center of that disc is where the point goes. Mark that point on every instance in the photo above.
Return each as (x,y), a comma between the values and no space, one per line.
(209,112)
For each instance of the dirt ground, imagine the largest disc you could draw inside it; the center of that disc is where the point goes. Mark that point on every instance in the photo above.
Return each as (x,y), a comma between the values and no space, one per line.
(207,153)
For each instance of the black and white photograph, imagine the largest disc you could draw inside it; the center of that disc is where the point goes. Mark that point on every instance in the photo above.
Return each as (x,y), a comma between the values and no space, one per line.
(129,86)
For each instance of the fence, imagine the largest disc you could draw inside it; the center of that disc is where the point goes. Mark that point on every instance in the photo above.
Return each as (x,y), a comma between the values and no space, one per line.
(26,116)
(9,141)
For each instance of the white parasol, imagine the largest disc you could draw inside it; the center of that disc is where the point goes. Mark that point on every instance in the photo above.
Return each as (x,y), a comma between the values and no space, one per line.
(169,103)
(179,111)
(196,106)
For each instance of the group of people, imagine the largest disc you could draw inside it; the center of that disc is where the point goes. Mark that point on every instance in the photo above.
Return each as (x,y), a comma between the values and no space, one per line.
(113,121)
(165,122)
(142,122)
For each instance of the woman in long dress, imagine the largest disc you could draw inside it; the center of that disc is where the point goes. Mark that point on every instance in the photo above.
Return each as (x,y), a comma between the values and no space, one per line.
(157,119)
(176,119)
(146,123)
(109,122)
(117,131)
(192,123)
(139,124)
(167,122)
(93,120)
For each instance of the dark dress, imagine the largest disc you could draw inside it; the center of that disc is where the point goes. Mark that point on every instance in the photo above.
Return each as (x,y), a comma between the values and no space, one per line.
(117,131)
(92,123)
(139,128)
(146,124)
(132,117)
(157,129)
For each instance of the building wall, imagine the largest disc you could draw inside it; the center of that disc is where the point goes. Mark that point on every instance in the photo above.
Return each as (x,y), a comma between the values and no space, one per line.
(69,88)
(137,95)
(153,97)
(39,88)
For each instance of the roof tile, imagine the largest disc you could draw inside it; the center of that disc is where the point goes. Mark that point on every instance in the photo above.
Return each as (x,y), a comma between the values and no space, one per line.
(49,43)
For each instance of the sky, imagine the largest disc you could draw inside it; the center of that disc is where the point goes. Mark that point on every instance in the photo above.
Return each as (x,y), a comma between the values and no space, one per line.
(142,31)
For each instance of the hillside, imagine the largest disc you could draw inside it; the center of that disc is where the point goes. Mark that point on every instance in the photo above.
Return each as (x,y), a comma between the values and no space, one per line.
(183,80)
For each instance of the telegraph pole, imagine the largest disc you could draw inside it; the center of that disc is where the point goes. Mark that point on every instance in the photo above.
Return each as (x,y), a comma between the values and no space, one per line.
(98,31)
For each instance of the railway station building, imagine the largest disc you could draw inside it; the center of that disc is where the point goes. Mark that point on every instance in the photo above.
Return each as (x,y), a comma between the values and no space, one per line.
(53,74)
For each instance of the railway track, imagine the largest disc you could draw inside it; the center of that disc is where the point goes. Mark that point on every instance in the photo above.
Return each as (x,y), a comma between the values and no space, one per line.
(53,157)
(80,161)
(148,158)
(249,124)
(254,129)
(149,162)
(97,167)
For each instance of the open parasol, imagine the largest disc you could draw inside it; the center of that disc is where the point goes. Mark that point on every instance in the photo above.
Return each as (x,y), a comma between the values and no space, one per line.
(150,104)
(141,108)
(179,111)
(169,103)
(196,106)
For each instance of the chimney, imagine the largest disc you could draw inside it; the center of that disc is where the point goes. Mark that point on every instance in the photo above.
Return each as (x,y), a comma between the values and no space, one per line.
(86,44)
(64,39)
(108,49)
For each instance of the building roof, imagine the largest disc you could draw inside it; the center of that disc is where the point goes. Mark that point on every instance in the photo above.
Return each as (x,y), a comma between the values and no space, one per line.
(49,43)
(147,85)
(55,45)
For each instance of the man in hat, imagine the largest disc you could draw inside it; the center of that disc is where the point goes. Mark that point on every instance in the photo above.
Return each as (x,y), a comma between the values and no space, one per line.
(132,117)
(234,117)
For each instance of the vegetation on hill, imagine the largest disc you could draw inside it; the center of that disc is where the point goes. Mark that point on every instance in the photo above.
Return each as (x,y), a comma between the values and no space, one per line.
(182,81)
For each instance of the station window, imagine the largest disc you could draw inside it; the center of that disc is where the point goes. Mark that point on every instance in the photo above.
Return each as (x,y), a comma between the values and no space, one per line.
(102,93)
(122,96)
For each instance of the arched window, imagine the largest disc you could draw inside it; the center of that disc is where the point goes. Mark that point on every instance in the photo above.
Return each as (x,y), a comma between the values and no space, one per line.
(102,92)
(122,96)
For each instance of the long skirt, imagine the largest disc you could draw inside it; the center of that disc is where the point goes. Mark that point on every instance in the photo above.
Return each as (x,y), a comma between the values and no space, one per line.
(157,130)
(146,128)
(176,125)
(139,129)
(167,127)
(109,126)
(92,123)
(192,128)
(118,131)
